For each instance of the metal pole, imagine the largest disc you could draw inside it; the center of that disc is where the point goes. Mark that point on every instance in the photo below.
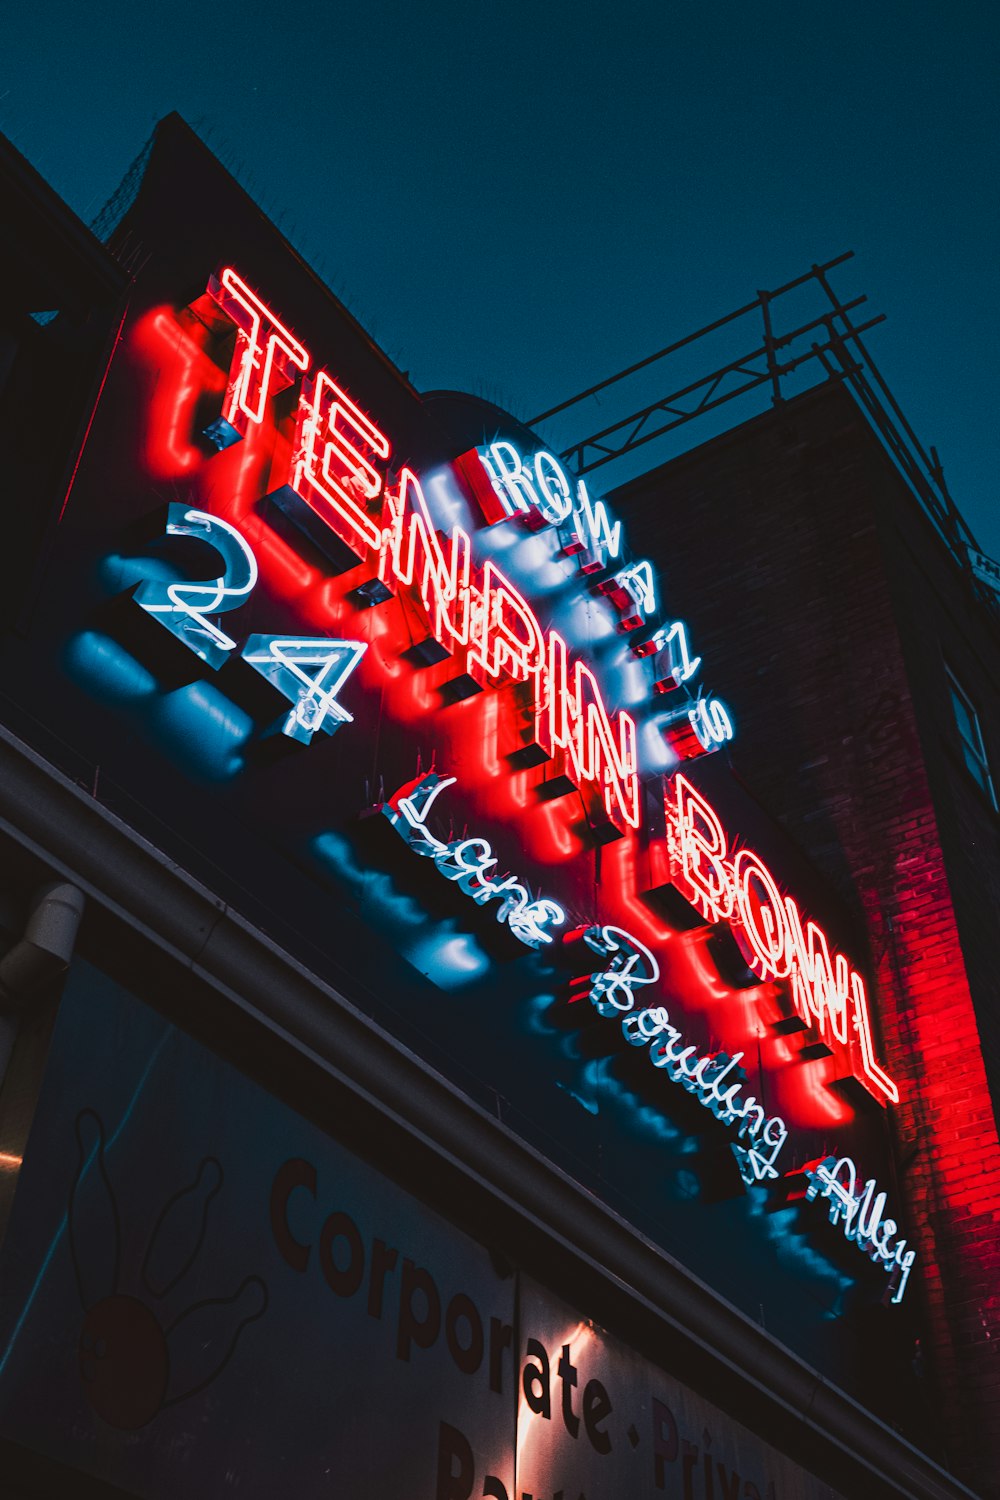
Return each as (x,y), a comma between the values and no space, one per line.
(690,338)
(769,354)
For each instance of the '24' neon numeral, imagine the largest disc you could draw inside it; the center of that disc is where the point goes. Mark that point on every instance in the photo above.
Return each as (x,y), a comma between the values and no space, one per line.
(183,608)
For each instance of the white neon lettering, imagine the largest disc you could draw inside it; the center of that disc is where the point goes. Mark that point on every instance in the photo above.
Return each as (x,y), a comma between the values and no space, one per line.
(613,989)
(543,488)
(860,1211)
(467,862)
(510,479)
(414,807)
(640,1028)
(182,607)
(509,891)
(639,583)
(600,536)
(555,500)
(762,1136)
(676,642)
(281,661)
(673,639)
(711,722)
(530,921)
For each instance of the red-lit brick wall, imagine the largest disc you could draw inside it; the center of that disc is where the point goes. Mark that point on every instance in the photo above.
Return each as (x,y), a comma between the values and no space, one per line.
(825,607)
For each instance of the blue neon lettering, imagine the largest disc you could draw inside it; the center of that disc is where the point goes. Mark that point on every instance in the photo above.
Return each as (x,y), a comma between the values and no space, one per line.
(182,607)
(466,862)
(313,695)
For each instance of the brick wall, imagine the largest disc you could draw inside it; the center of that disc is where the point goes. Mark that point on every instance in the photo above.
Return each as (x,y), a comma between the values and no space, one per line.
(824,607)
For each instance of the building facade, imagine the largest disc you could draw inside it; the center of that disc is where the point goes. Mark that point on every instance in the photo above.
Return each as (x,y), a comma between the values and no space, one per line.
(857,622)
(429,1064)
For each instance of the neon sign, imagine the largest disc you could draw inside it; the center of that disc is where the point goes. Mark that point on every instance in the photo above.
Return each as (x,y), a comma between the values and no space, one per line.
(860,1211)
(483,612)
(183,608)
(540,495)
(281,659)
(518,488)
(334,465)
(478,616)
(771,931)
(264,361)
(703,1078)
(337,471)
(612,991)
(612,994)
(468,862)
(333,468)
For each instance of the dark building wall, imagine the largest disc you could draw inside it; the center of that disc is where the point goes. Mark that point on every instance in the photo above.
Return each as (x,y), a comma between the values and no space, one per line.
(63,298)
(827,606)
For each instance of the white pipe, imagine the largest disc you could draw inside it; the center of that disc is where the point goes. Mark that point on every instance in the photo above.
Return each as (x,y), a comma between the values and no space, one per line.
(47,945)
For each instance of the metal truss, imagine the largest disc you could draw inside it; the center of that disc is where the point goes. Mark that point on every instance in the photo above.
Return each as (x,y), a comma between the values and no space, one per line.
(831,341)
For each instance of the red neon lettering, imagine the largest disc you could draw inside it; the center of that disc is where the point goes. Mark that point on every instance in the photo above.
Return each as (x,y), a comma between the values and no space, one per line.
(701,850)
(266,355)
(863,1025)
(331,472)
(413,554)
(335,470)
(819,986)
(762,917)
(508,643)
(826,990)
(573,717)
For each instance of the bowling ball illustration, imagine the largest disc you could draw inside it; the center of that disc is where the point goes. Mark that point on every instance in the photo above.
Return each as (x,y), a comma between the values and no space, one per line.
(124,1362)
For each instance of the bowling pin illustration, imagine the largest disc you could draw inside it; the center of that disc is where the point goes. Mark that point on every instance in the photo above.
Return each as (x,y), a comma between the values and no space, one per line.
(203,1340)
(179,1232)
(93,1220)
(135,1354)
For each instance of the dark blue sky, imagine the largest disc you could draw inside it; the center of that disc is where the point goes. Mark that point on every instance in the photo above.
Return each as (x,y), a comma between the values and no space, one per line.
(520,199)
